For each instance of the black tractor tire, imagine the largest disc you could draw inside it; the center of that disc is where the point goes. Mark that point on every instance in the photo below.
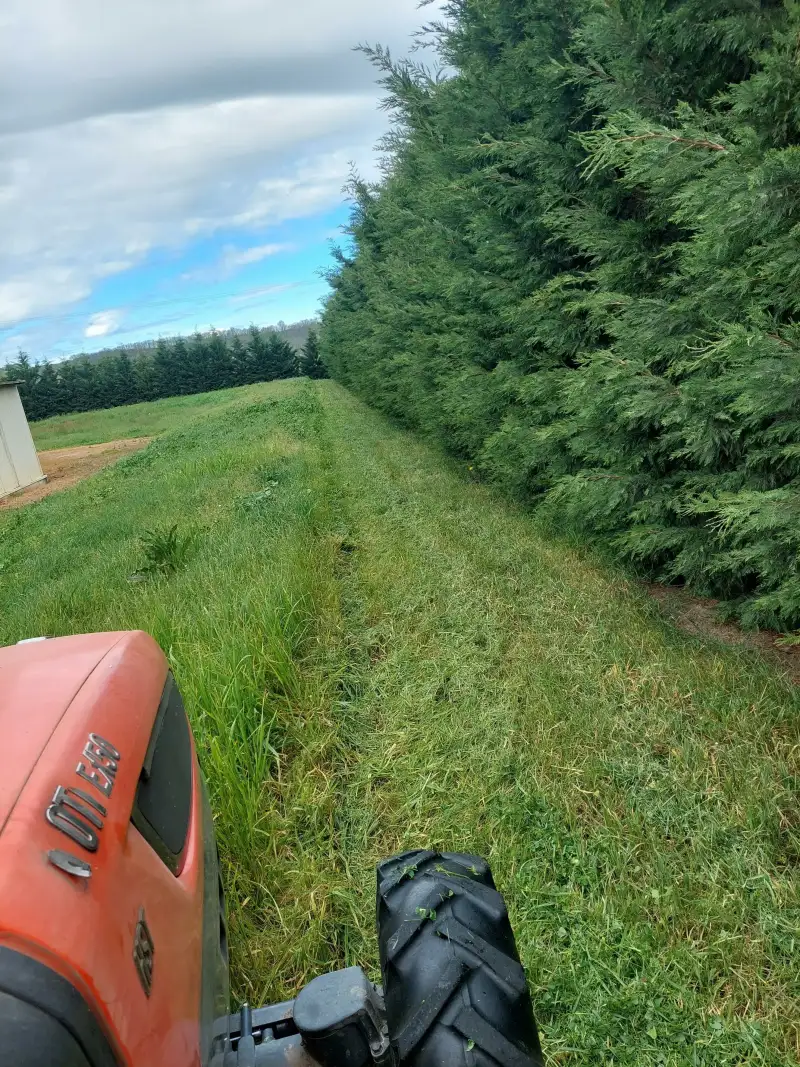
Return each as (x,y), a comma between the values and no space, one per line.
(455,991)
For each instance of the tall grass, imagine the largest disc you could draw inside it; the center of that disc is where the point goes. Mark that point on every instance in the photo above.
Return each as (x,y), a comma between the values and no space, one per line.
(241,617)
(377,654)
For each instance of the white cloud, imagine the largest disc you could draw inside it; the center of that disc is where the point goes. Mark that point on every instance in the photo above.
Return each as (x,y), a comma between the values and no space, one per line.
(90,199)
(141,125)
(250,296)
(102,323)
(21,297)
(67,59)
(233,258)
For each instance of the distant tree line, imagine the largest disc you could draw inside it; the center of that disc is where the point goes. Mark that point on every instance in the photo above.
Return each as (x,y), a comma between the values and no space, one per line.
(295,333)
(581,272)
(177,367)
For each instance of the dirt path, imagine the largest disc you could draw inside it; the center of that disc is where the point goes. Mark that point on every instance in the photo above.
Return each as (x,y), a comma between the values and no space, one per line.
(698,616)
(66,467)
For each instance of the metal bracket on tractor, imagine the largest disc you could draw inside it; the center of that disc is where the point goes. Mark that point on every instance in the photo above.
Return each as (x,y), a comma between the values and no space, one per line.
(338,1018)
(454,992)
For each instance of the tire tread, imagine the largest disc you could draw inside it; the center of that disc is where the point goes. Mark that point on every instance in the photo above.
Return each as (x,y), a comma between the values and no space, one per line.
(455,990)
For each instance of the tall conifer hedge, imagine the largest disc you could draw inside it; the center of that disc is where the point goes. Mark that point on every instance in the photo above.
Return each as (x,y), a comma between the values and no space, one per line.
(582,271)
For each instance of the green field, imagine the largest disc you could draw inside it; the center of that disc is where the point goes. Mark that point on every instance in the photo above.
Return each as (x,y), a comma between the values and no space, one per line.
(137,420)
(377,653)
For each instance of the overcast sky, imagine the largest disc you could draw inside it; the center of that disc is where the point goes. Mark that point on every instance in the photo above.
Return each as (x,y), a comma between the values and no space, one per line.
(167,164)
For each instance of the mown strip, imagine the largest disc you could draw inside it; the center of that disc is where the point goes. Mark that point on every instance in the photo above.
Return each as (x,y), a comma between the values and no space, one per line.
(633,788)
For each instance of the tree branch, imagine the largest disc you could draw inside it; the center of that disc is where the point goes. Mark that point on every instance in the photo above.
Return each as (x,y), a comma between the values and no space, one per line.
(712,146)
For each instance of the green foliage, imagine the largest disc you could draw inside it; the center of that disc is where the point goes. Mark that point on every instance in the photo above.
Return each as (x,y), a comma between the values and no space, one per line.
(580,272)
(165,551)
(309,361)
(281,358)
(179,367)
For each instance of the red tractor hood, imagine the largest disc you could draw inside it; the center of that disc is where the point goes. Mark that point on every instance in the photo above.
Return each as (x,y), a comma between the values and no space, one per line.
(38,682)
(84,894)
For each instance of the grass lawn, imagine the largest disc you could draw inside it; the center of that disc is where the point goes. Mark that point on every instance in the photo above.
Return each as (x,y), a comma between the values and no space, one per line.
(136,420)
(378,654)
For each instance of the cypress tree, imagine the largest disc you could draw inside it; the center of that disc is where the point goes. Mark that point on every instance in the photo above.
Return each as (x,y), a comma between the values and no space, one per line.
(280,358)
(239,361)
(199,372)
(181,369)
(79,384)
(27,374)
(119,382)
(579,271)
(258,356)
(309,361)
(169,368)
(220,365)
(167,373)
(146,377)
(49,394)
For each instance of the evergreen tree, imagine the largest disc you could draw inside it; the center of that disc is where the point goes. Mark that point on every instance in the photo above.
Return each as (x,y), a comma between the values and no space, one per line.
(181,370)
(146,377)
(27,374)
(168,374)
(239,361)
(258,352)
(220,364)
(165,368)
(280,358)
(50,392)
(199,374)
(115,381)
(309,362)
(79,385)
(579,271)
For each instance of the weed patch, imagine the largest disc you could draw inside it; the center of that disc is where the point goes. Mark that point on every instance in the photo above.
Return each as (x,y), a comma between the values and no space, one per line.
(165,551)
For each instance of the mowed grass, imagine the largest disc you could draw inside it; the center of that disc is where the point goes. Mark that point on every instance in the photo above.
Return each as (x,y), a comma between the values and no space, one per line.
(378,654)
(136,420)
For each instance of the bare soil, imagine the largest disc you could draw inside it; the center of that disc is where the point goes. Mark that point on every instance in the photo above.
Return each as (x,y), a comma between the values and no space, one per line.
(698,616)
(66,467)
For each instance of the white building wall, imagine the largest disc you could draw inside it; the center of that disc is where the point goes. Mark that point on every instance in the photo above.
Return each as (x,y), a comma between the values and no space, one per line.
(19,463)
